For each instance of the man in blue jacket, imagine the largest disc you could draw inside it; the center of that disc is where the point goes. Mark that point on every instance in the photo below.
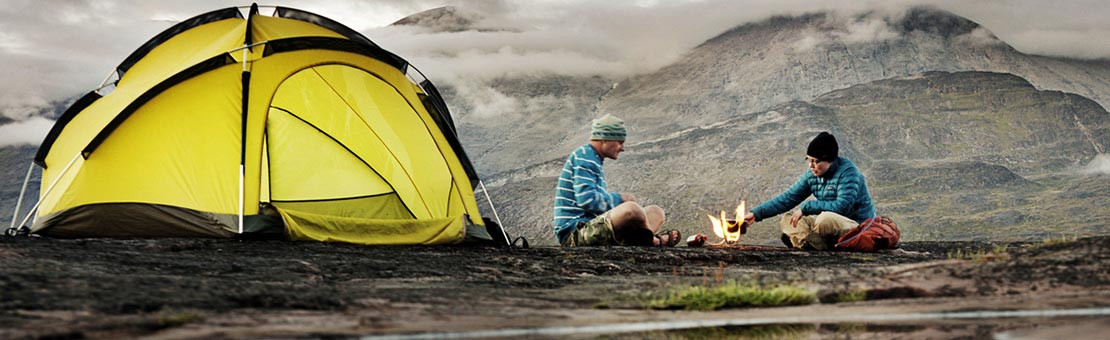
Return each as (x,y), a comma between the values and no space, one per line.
(586,213)
(842,199)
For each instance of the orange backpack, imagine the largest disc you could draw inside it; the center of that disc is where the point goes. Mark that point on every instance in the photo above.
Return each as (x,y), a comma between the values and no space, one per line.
(873,234)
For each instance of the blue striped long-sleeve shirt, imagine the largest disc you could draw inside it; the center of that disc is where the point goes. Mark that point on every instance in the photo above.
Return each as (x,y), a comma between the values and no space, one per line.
(580,194)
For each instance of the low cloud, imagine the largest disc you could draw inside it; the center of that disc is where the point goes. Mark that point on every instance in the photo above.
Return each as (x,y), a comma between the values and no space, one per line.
(867,30)
(484,100)
(26,132)
(17,105)
(1056,28)
(1063,43)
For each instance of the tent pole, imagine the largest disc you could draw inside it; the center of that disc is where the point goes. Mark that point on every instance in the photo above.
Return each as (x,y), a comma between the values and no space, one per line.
(105,82)
(243,135)
(50,189)
(491,207)
(19,202)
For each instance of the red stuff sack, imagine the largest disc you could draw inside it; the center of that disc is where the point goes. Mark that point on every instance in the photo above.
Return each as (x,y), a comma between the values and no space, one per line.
(873,234)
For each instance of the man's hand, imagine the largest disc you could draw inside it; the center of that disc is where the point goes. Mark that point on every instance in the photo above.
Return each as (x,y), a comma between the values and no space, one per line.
(749,218)
(795,218)
(627,197)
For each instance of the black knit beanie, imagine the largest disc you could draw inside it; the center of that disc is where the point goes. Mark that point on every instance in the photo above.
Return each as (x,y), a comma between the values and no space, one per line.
(823,147)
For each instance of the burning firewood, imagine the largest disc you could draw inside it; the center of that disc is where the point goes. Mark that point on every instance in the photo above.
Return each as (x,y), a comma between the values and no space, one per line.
(730,230)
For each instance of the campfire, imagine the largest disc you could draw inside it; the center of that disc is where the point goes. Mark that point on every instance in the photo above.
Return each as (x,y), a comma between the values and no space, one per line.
(730,230)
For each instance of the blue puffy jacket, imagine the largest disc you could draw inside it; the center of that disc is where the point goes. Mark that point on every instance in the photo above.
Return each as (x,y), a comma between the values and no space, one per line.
(841,190)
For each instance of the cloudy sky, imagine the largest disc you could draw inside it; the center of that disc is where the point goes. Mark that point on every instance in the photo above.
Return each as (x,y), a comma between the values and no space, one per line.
(56,49)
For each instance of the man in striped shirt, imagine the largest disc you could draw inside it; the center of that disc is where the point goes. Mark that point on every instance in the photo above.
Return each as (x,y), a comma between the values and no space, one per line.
(587,214)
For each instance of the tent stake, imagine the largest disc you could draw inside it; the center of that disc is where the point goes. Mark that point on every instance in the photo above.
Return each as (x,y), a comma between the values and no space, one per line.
(491,207)
(19,202)
(50,189)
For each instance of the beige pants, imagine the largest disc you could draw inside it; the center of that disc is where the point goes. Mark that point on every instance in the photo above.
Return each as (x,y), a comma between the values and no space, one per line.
(814,230)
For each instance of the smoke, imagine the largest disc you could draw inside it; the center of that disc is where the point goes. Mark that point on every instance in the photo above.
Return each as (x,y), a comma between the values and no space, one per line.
(1099,165)
(30,131)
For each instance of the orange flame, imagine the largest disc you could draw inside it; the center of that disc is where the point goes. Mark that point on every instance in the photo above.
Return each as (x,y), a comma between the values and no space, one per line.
(729,230)
(716,226)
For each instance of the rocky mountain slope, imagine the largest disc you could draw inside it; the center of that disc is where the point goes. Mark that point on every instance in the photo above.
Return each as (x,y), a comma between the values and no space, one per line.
(14,161)
(948,155)
(754,67)
(526,135)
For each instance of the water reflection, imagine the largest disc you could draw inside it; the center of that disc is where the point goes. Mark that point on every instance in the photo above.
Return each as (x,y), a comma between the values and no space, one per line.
(758,332)
(964,329)
(1014,324)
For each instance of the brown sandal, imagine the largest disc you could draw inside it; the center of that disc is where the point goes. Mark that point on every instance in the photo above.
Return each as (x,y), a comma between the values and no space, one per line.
(669,238)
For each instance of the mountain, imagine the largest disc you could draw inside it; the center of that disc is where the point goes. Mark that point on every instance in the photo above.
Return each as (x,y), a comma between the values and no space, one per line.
(756,66)
(446,19)
(14,161)
(965,155)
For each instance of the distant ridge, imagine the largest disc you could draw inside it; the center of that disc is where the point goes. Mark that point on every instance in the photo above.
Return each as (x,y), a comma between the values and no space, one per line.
(447,19)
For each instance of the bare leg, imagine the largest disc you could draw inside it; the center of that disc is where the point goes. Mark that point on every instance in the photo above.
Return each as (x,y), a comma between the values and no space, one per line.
(630,224)
(655,217)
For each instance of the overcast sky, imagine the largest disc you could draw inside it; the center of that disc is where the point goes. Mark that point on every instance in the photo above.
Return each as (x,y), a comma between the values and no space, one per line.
(56,49)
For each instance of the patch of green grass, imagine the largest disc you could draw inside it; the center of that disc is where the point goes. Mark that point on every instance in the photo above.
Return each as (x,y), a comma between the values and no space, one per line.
(998,253)
(1057,240)
(864,257)
(851,296)
(732,295)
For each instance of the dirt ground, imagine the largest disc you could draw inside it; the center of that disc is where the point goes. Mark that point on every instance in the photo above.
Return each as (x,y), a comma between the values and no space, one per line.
(206,288)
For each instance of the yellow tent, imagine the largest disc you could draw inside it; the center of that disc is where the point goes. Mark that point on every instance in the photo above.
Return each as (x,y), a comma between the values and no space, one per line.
(290,123)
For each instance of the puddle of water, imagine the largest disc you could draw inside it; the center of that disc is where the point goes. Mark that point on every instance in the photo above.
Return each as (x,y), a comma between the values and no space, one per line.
(782,327)
(998,329)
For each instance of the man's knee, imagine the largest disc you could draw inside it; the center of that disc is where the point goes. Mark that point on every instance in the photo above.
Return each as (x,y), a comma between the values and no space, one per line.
(630,224)
(628,213)
(655,211)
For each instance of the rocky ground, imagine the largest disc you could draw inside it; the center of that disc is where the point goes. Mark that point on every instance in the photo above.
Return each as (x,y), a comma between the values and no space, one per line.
(200,288)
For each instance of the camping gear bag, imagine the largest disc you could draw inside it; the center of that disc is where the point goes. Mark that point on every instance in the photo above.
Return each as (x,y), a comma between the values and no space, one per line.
(872,234)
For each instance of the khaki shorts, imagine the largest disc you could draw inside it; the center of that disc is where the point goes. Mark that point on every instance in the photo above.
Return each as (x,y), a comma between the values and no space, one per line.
(596,232)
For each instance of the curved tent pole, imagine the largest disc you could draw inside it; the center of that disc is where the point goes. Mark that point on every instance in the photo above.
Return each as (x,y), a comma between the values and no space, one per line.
(104,83)
(19,202)
(50,188)
(491,207)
